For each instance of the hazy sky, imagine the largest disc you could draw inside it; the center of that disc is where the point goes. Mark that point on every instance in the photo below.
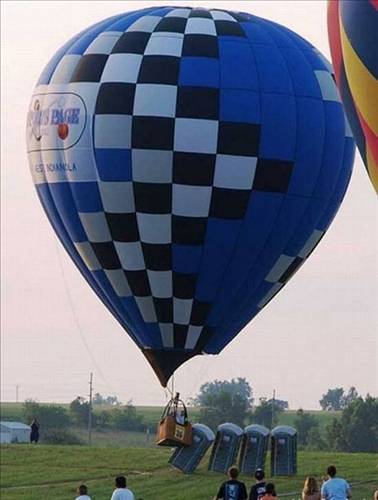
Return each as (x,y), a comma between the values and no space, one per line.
(320,332)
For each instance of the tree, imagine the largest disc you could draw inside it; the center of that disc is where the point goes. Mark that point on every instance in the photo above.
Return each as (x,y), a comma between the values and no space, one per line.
(224,401)
(266,413)
(79,408)
(333,400)
(282,404)
(357,428)
(351,396)
(98,399)
(48,416)
(337,400)
(304,422)
(126,418)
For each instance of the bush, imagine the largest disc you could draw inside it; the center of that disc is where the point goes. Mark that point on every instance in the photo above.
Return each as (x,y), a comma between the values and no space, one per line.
(59,436)
(48,416)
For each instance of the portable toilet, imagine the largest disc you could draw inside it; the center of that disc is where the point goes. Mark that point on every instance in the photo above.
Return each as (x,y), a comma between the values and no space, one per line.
(226,447)
(254,446)
(187,458)
(283,451)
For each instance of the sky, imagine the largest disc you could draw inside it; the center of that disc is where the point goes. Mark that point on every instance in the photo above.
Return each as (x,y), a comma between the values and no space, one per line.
(319,333)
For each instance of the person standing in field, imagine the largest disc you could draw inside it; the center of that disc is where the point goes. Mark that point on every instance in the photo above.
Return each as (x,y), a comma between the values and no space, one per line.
(310,489)
(83,493)
(232,489)
(258,489)
(335,488)
(121,492)
(34,431)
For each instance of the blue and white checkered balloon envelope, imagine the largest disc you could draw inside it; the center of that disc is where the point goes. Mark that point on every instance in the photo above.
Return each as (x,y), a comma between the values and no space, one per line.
(189,161)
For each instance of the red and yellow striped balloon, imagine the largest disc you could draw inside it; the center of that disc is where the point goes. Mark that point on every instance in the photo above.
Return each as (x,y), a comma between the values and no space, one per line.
(353,38)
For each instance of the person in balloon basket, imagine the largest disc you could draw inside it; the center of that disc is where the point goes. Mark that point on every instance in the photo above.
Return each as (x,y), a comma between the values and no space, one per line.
(232,489)
(335,488)
(258,489)
(121,492)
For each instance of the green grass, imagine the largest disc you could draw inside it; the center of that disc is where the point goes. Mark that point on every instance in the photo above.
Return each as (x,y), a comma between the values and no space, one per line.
(35,472)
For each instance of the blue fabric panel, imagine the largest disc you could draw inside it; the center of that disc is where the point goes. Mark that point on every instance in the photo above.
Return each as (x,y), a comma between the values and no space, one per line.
(87,196)
(144,329)
(309,151)
(333,149)
(52,64)
(199,72)
(257,224)
(347,168)
(126,20)
(364,40)
(257,34)
(272,70)
(128,321)
(314,60)
(65,205)
(296,39)
(80,46)
(280,37)
(308,223)
(237,66)
(304,80)
(239,106)
(44,195)
(186,258)
(114,164)
(278,140)
(219,245)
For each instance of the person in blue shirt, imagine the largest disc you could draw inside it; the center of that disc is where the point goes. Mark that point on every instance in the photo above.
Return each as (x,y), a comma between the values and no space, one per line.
(335,488)
(232,489)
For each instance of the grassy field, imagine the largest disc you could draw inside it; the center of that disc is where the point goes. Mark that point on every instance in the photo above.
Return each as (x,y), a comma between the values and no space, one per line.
(54,472)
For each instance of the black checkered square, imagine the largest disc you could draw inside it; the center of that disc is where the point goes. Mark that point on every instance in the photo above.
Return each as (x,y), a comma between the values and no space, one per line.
(152,132)
(172,24)
(229,203)
(188,230)
(123,227)
(200,46)
(106,255)
(159,69)
(197,102)
(153,198)
(138,282)
(272,175)
(194,169)
(238,138)
(89,68)
(115,98)
(157,257)
(132,42)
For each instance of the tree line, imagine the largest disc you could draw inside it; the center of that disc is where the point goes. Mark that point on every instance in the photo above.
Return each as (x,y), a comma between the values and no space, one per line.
(354,430)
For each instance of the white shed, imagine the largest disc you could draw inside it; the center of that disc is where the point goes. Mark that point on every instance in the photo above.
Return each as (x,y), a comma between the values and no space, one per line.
(14,432)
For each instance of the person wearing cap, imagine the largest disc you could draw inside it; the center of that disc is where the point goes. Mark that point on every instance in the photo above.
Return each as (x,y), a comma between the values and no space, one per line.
(258,490)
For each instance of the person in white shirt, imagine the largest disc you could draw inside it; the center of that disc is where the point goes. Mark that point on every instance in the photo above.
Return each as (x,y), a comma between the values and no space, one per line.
(83,493)
(121,492)
(336,488)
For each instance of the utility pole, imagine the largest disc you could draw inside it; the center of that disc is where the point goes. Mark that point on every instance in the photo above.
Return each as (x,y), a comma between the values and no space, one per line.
(17,393)
(273,404)
(90,409)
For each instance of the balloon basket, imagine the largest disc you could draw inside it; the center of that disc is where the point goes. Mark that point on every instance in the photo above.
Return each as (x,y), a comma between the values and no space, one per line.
(174,428)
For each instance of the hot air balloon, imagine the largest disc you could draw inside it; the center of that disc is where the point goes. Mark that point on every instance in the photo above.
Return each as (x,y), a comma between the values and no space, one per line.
(189,161)
(353,38)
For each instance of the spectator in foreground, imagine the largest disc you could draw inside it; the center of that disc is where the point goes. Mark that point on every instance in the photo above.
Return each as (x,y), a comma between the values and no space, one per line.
(270,492)
(121,492)
(376,495)
(232,489)
(82,491)
(258,489)
(335,488)
(310,489)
